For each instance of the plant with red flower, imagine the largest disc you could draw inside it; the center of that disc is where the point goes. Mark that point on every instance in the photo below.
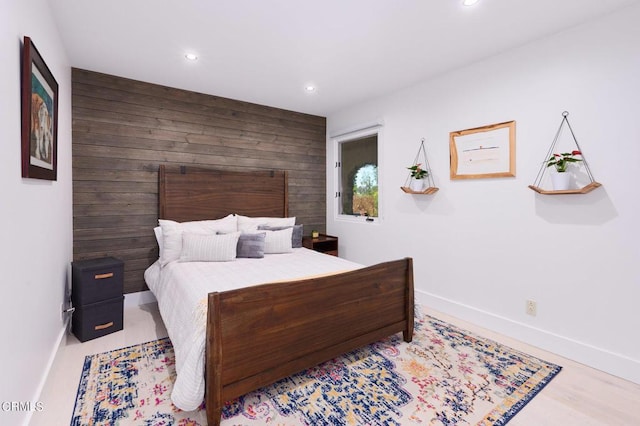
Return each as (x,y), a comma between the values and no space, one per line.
(417,172)
(561,161)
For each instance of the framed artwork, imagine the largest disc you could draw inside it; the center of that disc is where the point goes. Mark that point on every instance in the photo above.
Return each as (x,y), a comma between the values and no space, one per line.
(39,116)
(483,152)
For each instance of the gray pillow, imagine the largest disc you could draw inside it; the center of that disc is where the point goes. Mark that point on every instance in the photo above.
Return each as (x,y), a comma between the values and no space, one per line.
(296,235)
(251,245)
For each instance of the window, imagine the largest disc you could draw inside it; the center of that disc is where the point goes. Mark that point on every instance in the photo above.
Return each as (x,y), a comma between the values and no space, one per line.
(357,175)
(365,191)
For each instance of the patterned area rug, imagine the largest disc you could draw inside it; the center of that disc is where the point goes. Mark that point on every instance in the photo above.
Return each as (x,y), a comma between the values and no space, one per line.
(446,376)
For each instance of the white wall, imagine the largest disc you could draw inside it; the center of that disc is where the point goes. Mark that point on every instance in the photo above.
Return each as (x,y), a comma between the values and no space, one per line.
(482,247)
(36,216)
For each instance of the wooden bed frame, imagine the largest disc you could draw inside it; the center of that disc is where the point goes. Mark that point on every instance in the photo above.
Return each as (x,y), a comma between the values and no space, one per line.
(261,334)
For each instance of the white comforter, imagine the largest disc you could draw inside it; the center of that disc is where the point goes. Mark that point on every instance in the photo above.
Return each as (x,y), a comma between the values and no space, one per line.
(181,290)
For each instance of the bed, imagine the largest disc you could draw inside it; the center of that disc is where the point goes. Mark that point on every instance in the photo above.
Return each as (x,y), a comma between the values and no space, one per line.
(254,334)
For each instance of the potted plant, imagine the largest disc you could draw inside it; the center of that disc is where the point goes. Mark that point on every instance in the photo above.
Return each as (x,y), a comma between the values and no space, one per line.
(417,175)
(560,179)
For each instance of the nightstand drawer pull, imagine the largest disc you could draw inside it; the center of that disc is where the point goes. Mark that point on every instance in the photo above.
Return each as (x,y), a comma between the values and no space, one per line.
(102,276)
(103,326)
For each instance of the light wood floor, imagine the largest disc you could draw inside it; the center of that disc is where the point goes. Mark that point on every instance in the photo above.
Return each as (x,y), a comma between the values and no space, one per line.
(579,395)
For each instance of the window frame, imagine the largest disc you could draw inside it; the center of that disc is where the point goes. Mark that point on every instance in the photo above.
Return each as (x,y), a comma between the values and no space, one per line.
(337,178)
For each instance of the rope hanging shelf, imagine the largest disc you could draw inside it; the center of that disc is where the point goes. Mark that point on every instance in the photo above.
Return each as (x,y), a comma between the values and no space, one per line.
(537,184)
(430,186)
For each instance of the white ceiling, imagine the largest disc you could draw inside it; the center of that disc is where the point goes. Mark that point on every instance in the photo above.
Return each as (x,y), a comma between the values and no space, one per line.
(267,51)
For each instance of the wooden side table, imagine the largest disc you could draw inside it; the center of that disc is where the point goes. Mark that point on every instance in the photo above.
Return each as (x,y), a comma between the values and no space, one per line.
(324,244)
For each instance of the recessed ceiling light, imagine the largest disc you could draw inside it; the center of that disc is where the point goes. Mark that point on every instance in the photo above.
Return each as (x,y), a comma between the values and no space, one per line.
(191,56)
(469,2)
(310,88)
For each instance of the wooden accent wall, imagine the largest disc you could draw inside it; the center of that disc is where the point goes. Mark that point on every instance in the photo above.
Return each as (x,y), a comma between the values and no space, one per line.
(124,129)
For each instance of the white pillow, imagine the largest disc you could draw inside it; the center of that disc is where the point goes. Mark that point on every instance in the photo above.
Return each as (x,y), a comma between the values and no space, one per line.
(158,231)
(250,224)
(172,234)
(278,241)
(209,247)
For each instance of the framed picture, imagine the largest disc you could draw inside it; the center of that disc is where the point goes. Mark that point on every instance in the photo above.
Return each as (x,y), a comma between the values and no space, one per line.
(483,152)
(39,116)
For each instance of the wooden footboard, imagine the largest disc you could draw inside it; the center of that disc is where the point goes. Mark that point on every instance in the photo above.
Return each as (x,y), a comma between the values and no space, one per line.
(261,334)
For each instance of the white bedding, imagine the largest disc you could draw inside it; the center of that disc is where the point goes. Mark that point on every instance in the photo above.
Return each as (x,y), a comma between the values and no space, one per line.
(181,290)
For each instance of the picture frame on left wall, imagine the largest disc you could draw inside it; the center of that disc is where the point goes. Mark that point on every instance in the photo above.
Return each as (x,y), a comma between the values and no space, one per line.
(39,116)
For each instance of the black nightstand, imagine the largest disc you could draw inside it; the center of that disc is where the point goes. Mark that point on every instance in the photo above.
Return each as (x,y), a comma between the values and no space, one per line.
(97,295)
(324,244)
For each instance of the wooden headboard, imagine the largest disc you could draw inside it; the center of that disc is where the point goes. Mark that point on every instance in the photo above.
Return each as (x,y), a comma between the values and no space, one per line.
(193,193)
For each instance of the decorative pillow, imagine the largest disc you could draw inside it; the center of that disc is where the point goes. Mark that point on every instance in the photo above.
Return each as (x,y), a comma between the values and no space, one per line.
(296,236)
(251,245)
(250,224)
(172,234)
(278,241)
(209,247)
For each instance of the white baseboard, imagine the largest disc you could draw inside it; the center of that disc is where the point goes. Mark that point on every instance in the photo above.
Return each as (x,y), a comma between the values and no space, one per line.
(139,298)
(598,358)
(47,370)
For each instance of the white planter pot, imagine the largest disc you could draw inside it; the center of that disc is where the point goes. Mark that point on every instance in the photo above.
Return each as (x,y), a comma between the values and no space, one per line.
(417,185)
(560,181)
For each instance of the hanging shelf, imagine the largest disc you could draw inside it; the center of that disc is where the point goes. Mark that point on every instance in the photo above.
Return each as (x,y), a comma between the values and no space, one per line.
(430,189)
(536,186)
(585,189)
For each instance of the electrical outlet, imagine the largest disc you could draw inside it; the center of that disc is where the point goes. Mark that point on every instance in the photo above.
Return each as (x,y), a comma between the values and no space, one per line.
(531,308)
(62,311)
